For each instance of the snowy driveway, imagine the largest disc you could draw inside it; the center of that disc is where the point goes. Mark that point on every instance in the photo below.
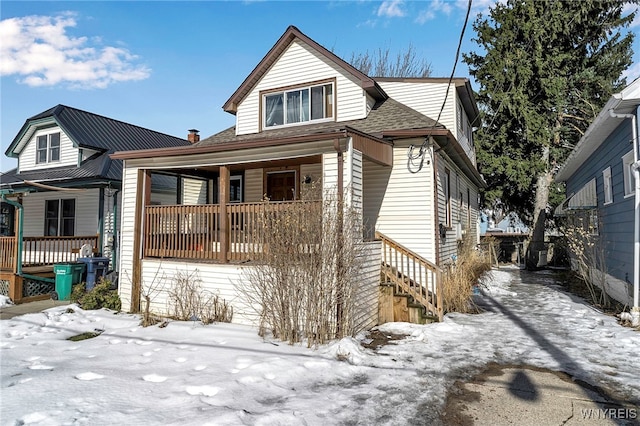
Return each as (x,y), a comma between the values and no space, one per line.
(224,374)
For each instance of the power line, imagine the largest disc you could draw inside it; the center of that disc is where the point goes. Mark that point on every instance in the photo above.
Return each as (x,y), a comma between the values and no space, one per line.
(421,151)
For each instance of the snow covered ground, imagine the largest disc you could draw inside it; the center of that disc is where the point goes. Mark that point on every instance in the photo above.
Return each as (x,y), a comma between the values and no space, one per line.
(224,374)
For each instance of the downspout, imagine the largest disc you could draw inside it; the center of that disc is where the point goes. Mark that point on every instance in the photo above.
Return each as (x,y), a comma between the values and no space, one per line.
(101,220)
(20,208)
(115,243)
(340,219)
(635,311)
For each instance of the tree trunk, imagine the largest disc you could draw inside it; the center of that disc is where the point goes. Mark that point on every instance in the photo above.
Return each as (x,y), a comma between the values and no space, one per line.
(536,238)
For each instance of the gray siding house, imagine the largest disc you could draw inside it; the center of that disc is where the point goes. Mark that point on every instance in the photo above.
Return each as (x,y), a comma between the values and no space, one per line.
(601,176)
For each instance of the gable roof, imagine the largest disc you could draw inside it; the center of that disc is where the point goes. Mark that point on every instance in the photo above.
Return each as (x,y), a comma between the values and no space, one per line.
(86,130)
(292,33)
(93,131)
(624,102)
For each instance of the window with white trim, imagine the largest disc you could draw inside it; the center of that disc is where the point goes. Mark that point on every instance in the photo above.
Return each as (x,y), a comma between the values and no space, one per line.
(60,217)
(48,148)
(298,105)
(608,189)
(627,170)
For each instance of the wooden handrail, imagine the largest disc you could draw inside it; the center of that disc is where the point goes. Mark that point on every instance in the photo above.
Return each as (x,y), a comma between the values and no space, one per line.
(412,274)
(7,253)
(47,250)
(193,231)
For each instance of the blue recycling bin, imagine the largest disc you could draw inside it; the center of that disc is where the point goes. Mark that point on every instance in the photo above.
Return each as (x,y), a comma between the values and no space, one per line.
(96,268)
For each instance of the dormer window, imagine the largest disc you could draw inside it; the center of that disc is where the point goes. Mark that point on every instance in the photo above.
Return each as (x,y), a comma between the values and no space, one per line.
(298,105)
(48,148)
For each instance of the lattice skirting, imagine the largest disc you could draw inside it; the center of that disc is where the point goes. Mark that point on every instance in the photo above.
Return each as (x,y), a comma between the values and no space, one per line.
(4,287)
(36,288)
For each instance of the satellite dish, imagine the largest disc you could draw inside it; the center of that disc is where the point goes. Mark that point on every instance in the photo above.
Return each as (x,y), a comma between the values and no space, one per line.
(86,250)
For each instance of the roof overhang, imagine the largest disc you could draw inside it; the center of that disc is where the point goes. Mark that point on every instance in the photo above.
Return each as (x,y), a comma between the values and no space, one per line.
(624,102)
(26,133)
(449,144)
(375,149)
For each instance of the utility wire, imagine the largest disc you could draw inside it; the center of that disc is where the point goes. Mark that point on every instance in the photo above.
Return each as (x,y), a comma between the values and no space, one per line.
(421,151)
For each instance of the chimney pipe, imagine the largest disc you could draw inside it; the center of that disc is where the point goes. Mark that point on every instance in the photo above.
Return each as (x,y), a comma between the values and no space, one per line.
(193,136)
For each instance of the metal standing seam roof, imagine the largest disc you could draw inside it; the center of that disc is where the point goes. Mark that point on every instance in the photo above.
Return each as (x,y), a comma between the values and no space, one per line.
(96,132)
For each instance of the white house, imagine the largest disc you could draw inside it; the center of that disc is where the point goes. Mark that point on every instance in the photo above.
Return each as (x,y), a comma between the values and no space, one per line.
(304,115)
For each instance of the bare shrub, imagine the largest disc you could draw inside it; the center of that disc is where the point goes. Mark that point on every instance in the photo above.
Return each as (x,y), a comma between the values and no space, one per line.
(190,302)
(587,254)
(303,279)
(469,270)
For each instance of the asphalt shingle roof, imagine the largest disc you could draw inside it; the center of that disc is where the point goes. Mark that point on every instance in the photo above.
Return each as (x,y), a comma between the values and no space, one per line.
(385,115)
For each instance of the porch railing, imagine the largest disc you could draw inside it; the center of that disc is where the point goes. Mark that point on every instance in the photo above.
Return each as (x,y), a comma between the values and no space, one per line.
(7,253)
(413,275)
(49,250)
(194,231)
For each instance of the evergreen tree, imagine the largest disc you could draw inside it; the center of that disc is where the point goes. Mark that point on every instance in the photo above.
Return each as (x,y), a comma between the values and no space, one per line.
(546,70)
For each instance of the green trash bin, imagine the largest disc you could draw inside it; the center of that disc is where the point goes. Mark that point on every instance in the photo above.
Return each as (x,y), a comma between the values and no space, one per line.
(67,274)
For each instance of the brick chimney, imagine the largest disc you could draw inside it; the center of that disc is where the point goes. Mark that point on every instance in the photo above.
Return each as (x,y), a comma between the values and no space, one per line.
(193,136)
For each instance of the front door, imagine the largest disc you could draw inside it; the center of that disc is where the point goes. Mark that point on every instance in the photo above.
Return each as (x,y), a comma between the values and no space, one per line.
(281,186)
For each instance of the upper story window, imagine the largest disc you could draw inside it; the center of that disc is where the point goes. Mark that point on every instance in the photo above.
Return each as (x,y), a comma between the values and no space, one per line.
(48,148)
(298,105)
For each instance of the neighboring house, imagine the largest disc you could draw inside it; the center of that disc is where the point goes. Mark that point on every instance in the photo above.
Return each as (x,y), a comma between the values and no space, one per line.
(68,190)
(603,188)
(304,115)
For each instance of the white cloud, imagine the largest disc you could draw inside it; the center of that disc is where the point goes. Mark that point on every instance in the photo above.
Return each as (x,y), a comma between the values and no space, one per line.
(435,7)
(391,9)
(40,52)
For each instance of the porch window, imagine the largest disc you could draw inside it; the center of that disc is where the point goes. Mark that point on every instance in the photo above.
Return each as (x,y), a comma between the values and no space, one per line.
(48,148)
(60,217)
(235,190)
(627,170)
(298,105)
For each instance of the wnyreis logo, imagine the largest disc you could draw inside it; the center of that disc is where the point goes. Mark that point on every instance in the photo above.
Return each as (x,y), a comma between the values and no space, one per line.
(610,413)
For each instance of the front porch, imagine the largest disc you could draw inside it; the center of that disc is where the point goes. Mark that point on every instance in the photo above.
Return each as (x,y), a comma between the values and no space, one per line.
(216,233)
(32,278)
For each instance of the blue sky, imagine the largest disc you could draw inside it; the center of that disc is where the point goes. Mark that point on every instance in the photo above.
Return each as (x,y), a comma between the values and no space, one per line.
(170,66)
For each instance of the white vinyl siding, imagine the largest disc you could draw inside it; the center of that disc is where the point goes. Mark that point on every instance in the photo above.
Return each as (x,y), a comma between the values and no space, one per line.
(216,279)
(86,211)
(426,98)
(68,152)
(366,314)
(129,187)
(301,64)
(459,213)
(402,202)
